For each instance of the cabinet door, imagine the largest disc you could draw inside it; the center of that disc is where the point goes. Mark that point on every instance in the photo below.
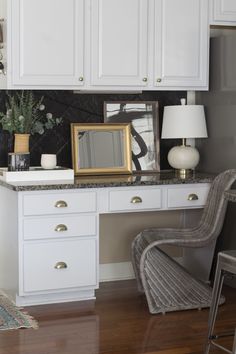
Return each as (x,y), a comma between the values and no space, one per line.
(119,42)
(181,44)
(47,42)
(79,269)
(223,12)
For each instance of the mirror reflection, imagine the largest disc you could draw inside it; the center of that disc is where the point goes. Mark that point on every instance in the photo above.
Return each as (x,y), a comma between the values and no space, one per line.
(101,149)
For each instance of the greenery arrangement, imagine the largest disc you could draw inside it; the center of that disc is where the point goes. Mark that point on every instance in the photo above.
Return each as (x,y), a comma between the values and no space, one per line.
(26,115)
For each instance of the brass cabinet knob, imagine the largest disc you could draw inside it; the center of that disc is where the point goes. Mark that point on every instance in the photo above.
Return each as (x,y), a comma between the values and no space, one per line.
(136,200)
(61,204)
(145,79)
(192,196)
(81,78)
(61,228)
(159,79)
(60,265)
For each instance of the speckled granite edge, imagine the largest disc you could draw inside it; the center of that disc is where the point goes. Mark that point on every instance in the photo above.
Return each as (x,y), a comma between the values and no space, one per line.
(163,178)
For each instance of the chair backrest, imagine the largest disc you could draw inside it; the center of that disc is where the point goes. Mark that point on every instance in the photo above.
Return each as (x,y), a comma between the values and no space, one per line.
(212,219)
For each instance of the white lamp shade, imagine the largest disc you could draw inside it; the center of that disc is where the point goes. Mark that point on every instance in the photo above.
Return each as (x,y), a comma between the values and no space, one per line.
(184,121)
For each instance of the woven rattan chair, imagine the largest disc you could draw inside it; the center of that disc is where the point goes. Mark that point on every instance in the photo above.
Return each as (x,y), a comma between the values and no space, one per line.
(166,284)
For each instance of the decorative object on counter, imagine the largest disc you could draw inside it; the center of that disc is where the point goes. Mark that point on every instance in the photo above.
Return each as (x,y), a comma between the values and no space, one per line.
(183,121)
(48,161)
(12,317)
(18,161)
(38,174)
(25,115)
(21,143)
(101,149)
(145,141)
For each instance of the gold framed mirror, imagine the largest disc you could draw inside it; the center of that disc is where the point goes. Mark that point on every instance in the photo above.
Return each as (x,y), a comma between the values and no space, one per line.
(101,149)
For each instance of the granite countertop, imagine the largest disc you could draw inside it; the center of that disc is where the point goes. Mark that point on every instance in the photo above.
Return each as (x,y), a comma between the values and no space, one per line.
(162,178)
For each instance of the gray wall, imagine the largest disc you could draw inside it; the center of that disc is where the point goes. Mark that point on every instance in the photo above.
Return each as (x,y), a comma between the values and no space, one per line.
(218,152)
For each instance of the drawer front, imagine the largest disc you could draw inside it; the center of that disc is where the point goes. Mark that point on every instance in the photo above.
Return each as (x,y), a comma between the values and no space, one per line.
(59,226)
(44,265)
(59,203)
(135,199)
(190,197)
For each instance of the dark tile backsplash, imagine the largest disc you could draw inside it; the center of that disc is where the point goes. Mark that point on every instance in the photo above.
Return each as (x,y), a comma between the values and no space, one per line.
(81,108)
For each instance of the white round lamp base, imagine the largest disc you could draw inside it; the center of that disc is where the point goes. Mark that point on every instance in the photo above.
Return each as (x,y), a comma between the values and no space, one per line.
(183,157)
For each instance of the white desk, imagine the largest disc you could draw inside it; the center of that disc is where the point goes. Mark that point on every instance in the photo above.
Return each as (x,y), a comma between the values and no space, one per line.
(50,238)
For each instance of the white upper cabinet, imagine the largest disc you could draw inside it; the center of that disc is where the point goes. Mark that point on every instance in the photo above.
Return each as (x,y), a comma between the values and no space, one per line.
(223,12)
(119,34)
(108,44)
(181,44)
(47,42)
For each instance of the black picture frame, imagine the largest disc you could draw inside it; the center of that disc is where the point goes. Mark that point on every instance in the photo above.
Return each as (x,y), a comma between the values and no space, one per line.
(145,134)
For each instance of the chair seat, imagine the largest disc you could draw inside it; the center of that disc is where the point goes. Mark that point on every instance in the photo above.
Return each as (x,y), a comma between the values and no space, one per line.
(171,287)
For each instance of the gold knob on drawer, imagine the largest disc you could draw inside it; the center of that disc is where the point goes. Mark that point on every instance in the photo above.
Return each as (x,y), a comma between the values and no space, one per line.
(159,79)
(61,228)
(61,204)
(81,78)
(60,265)
(145,79)
(192,196)
(136,200)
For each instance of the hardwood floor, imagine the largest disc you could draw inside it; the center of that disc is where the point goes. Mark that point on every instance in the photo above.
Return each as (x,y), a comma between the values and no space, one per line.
(118,323)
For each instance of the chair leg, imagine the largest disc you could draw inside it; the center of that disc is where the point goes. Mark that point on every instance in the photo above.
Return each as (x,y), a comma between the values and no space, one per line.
(234,344)
(218,283)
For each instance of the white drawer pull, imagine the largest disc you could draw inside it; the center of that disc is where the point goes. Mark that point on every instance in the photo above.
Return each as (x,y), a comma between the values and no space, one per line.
(192,196)
(61,228)
(60,265)
(136,200)
(61,204)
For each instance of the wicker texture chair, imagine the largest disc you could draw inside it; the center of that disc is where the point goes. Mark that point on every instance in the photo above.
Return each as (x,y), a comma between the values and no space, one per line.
(166,284)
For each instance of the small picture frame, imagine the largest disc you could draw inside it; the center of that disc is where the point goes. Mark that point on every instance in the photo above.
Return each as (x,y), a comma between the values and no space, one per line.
(101,149)
(18,161)
(145,134)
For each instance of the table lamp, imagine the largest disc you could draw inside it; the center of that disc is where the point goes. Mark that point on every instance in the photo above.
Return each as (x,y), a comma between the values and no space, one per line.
(183,121)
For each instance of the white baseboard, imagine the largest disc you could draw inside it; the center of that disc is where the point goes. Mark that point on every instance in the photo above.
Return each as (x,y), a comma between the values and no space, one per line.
(119,271)
(116,271)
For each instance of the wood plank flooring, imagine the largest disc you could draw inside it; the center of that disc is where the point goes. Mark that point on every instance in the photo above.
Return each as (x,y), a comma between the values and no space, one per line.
(117,323)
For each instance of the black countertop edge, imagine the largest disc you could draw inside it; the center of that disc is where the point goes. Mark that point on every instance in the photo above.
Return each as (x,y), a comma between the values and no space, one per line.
(162,178)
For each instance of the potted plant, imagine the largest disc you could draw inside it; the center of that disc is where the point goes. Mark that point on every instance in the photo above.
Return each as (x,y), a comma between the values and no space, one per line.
(25,115)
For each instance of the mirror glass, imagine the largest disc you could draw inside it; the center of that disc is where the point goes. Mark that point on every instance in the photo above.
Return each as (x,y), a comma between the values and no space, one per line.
(101,149)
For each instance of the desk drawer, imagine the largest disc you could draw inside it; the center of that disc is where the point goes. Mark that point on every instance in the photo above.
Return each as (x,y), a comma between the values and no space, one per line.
(59,203)
(59,226)
(187,197)
(40,260)
(135,199)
